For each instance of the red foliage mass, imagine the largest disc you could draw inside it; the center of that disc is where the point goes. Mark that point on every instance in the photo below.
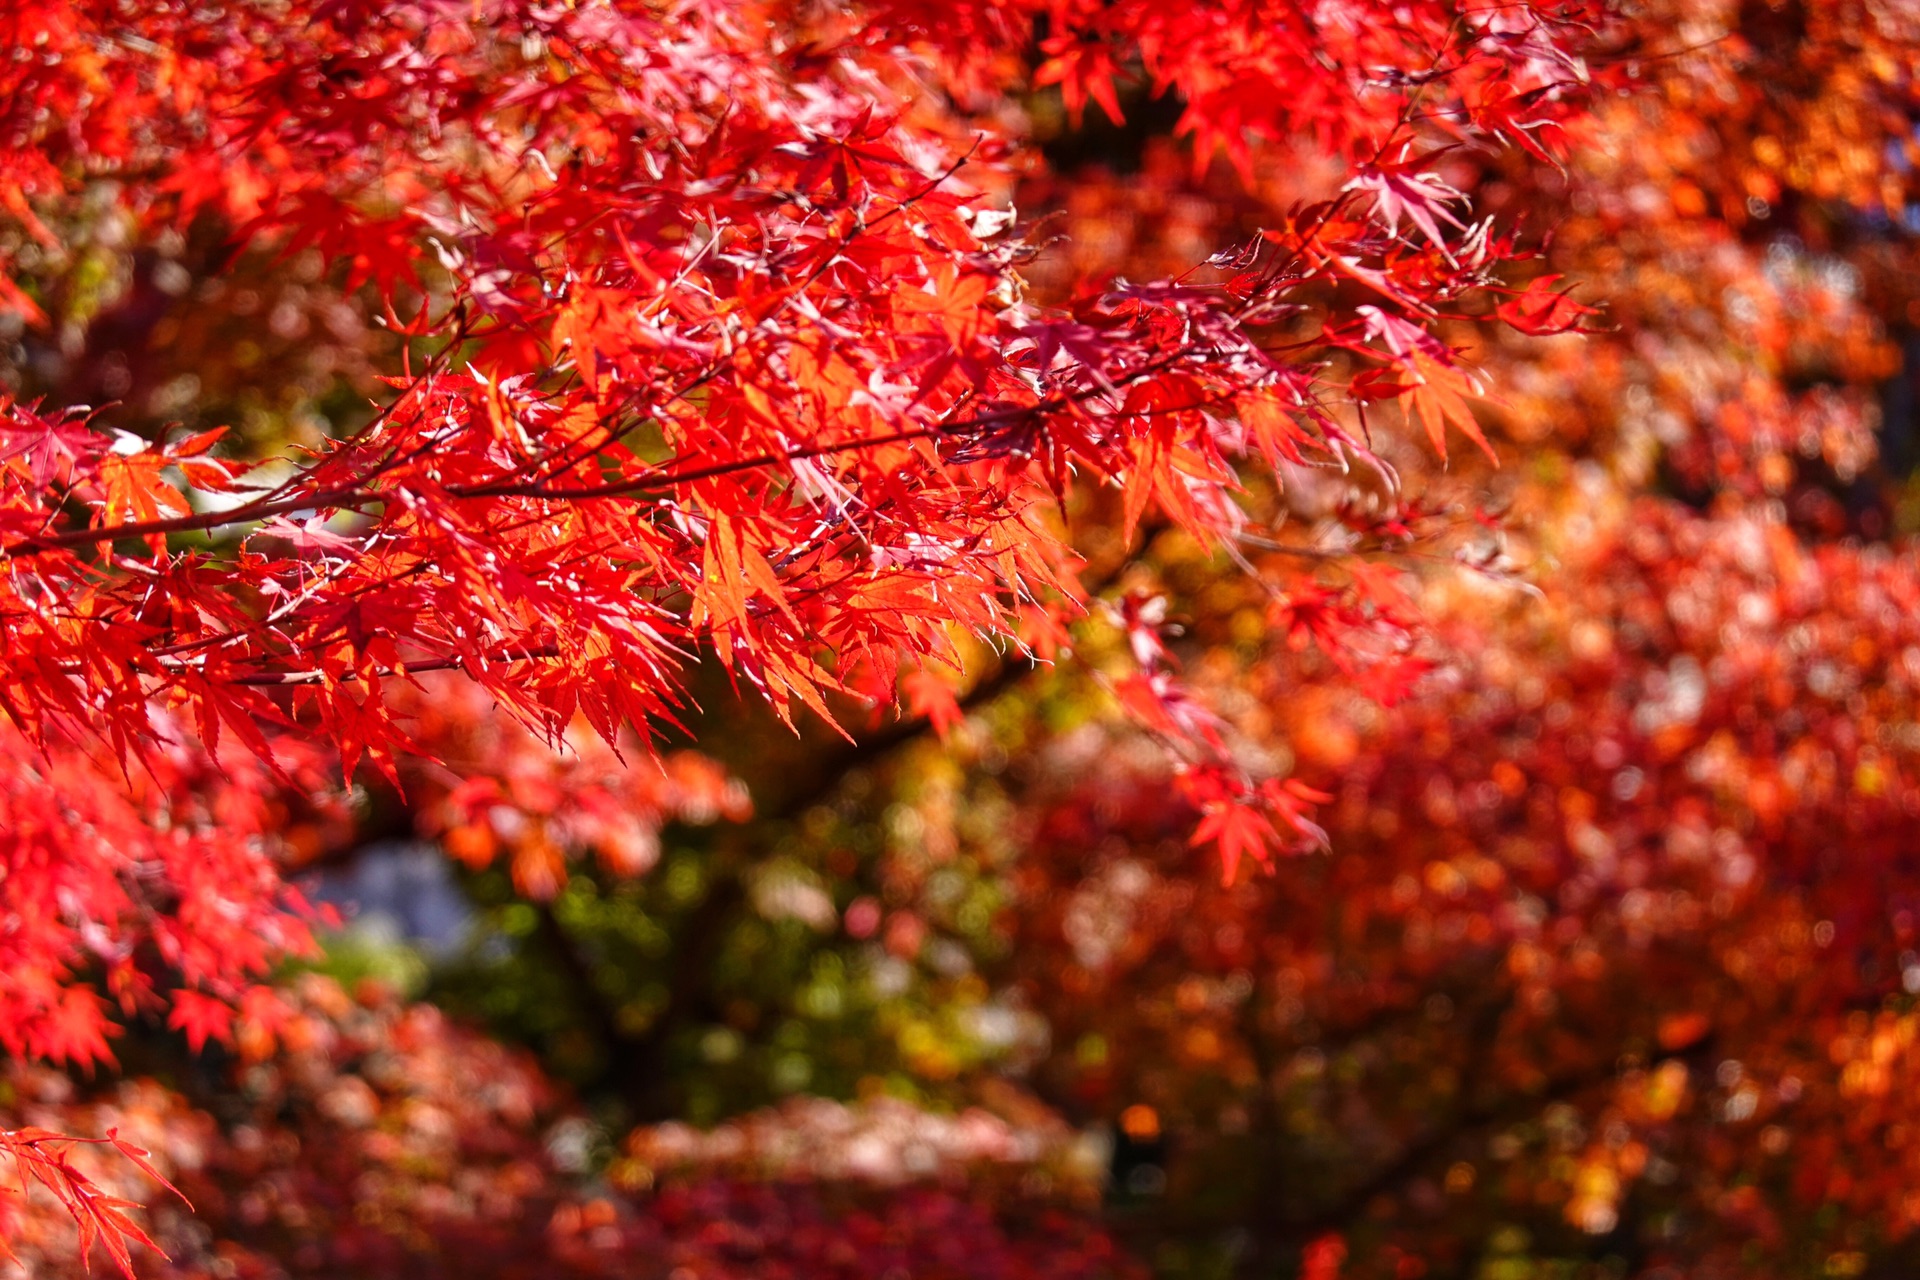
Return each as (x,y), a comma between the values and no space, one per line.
(379,1140)
(721,354)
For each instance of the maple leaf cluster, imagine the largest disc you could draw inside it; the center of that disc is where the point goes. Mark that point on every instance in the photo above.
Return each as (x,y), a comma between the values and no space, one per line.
(708,342)
(157,893)
(712,348)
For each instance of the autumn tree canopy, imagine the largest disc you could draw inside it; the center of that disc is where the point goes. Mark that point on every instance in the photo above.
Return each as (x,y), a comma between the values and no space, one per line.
(1320,590)
(714,344)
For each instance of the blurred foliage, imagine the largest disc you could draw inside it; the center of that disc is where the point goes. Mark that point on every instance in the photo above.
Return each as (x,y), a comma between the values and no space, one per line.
(369,1137)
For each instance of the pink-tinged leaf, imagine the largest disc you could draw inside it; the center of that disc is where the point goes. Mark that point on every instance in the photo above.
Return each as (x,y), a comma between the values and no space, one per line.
(310,534)
(1422,198)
